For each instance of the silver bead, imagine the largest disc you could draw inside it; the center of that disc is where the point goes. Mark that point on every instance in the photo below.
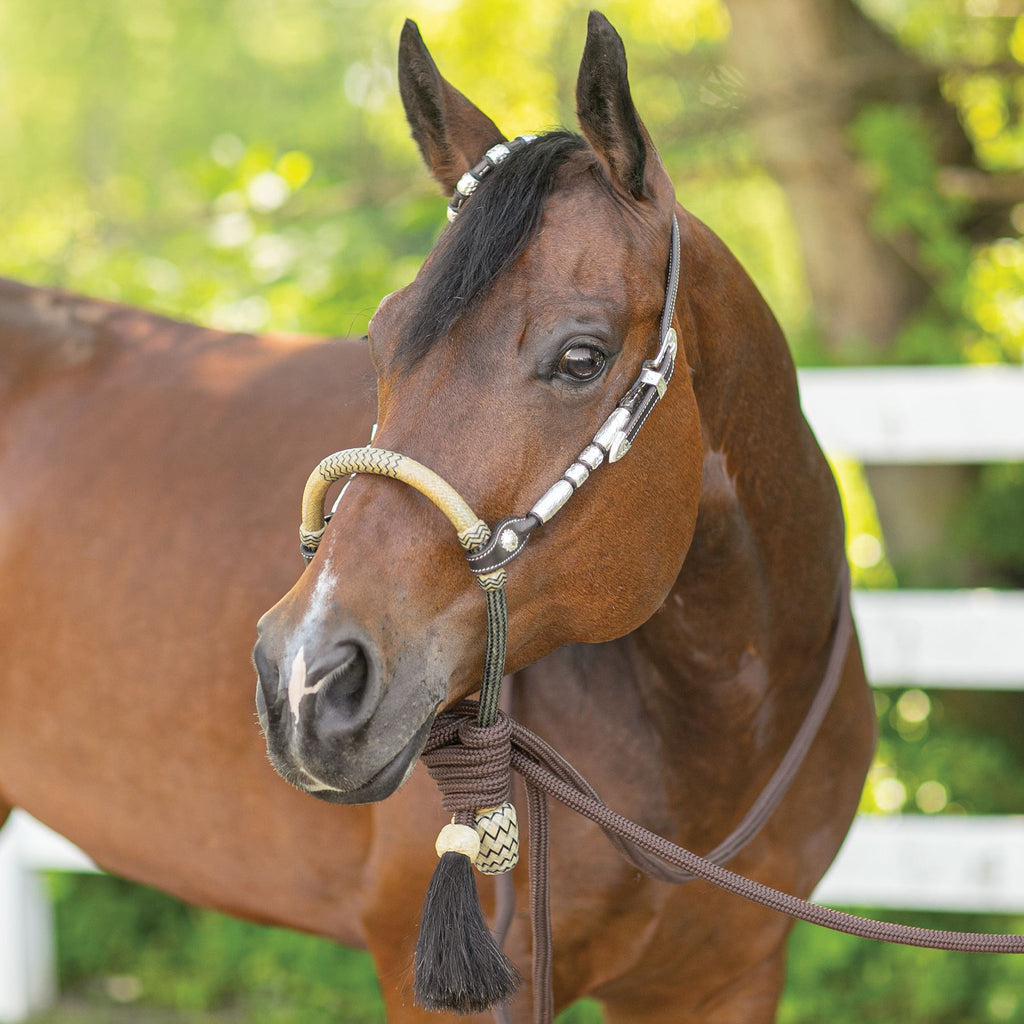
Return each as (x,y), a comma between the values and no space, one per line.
(591,457)
(577,474)
(497,153)
(552,500)
(466,185)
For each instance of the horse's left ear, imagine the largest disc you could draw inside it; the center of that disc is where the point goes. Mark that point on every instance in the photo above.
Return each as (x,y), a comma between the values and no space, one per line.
(606,112)
(452,133)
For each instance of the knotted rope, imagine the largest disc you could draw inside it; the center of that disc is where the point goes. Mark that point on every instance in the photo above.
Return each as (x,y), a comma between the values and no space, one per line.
(471,764)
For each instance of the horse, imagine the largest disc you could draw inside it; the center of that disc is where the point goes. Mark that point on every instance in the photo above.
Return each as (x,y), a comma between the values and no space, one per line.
(667,631)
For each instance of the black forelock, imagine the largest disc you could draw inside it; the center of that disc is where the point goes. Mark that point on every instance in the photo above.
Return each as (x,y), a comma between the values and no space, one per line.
(493,228)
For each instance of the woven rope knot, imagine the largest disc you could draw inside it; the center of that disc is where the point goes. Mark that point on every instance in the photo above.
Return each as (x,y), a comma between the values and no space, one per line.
(469,763)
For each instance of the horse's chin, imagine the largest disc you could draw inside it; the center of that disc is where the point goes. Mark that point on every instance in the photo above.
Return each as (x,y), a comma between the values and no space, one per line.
(378,787)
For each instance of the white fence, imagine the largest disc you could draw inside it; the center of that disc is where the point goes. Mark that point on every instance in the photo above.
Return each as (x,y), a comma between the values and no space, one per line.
(963,639)
(923,638)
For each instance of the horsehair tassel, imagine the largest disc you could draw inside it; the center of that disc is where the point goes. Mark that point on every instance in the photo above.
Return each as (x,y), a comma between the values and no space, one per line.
(459,965)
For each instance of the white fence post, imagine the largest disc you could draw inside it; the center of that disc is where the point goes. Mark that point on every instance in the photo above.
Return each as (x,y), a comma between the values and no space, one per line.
(28,974)
(28,981)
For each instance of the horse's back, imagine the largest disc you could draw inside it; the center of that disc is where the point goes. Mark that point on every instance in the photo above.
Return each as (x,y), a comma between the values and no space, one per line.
(150,472)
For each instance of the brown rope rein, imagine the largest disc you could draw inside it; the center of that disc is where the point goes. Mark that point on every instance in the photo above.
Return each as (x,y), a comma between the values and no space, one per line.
(508,746)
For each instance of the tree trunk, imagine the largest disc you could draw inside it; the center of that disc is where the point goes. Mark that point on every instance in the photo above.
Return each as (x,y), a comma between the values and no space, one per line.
(809,66)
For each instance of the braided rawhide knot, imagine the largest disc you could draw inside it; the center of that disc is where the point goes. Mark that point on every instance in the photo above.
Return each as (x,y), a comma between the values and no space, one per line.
(471,765)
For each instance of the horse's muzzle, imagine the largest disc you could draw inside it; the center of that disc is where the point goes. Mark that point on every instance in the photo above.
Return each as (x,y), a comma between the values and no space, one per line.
(332,729)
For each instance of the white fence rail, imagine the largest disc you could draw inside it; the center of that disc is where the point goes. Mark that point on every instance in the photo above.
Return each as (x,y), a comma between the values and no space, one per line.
(918,414)
(963,639)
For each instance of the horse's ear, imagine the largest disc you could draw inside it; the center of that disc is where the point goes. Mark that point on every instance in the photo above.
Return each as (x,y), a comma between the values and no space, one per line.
(606,113)
(452,133)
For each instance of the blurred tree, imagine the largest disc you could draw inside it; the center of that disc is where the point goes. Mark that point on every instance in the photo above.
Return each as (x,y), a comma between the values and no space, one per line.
(897,204)
(888,191)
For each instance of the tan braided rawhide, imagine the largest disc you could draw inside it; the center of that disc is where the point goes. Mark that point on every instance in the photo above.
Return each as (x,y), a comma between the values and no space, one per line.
(472,531)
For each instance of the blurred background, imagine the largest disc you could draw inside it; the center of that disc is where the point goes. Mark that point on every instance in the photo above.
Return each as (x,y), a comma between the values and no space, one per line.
(245,164)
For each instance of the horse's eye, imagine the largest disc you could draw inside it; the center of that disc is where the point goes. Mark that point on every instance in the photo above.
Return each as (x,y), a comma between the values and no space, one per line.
(581,363)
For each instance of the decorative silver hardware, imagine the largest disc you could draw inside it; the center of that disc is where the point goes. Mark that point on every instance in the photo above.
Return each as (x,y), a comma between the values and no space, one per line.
(591,457)
(619,447)
(669,344)
(552,500)
(655,378)
(577,474)
(611,428)
(508,540)
(467,185)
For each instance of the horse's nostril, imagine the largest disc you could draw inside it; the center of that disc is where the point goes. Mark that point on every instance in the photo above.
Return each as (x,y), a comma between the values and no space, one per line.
(342,693)
(269,688)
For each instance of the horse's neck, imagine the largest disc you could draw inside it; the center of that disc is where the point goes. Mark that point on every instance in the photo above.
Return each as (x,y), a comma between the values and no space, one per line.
(702,701)
(767,554)
(736,645)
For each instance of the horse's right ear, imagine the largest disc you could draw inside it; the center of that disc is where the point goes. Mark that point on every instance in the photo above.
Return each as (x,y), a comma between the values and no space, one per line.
(451,132)
(606,112)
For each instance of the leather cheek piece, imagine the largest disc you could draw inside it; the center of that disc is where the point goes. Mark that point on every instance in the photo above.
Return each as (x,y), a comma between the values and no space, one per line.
(508,538)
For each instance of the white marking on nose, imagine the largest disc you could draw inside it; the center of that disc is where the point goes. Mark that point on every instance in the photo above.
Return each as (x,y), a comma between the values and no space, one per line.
(297,688)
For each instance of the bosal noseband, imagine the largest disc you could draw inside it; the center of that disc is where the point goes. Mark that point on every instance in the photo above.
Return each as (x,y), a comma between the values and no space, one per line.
(473,748)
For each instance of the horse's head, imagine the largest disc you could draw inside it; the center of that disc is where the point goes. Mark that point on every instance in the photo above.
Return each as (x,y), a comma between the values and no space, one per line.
(527,324)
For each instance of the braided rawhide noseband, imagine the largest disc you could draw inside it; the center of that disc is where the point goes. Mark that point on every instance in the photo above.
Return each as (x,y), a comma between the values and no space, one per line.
(473,534)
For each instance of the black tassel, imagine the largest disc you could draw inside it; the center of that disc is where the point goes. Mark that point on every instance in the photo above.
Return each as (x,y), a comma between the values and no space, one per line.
(459,966)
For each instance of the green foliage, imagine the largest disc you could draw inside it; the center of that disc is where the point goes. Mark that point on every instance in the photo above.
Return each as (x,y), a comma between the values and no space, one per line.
(852,981)
(988,526)
(197,960)
(995,300)
(909,211)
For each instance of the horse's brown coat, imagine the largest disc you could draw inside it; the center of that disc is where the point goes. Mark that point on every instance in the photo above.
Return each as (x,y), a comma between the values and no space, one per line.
(148,513)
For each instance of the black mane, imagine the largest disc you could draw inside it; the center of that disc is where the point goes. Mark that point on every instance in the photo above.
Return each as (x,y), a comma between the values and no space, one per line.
(493,228)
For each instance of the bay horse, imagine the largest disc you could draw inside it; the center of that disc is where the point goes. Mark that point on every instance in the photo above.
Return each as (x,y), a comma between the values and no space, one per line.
(666,633)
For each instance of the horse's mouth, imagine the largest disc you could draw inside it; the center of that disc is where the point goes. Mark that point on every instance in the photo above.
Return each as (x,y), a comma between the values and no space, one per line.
(378,787)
